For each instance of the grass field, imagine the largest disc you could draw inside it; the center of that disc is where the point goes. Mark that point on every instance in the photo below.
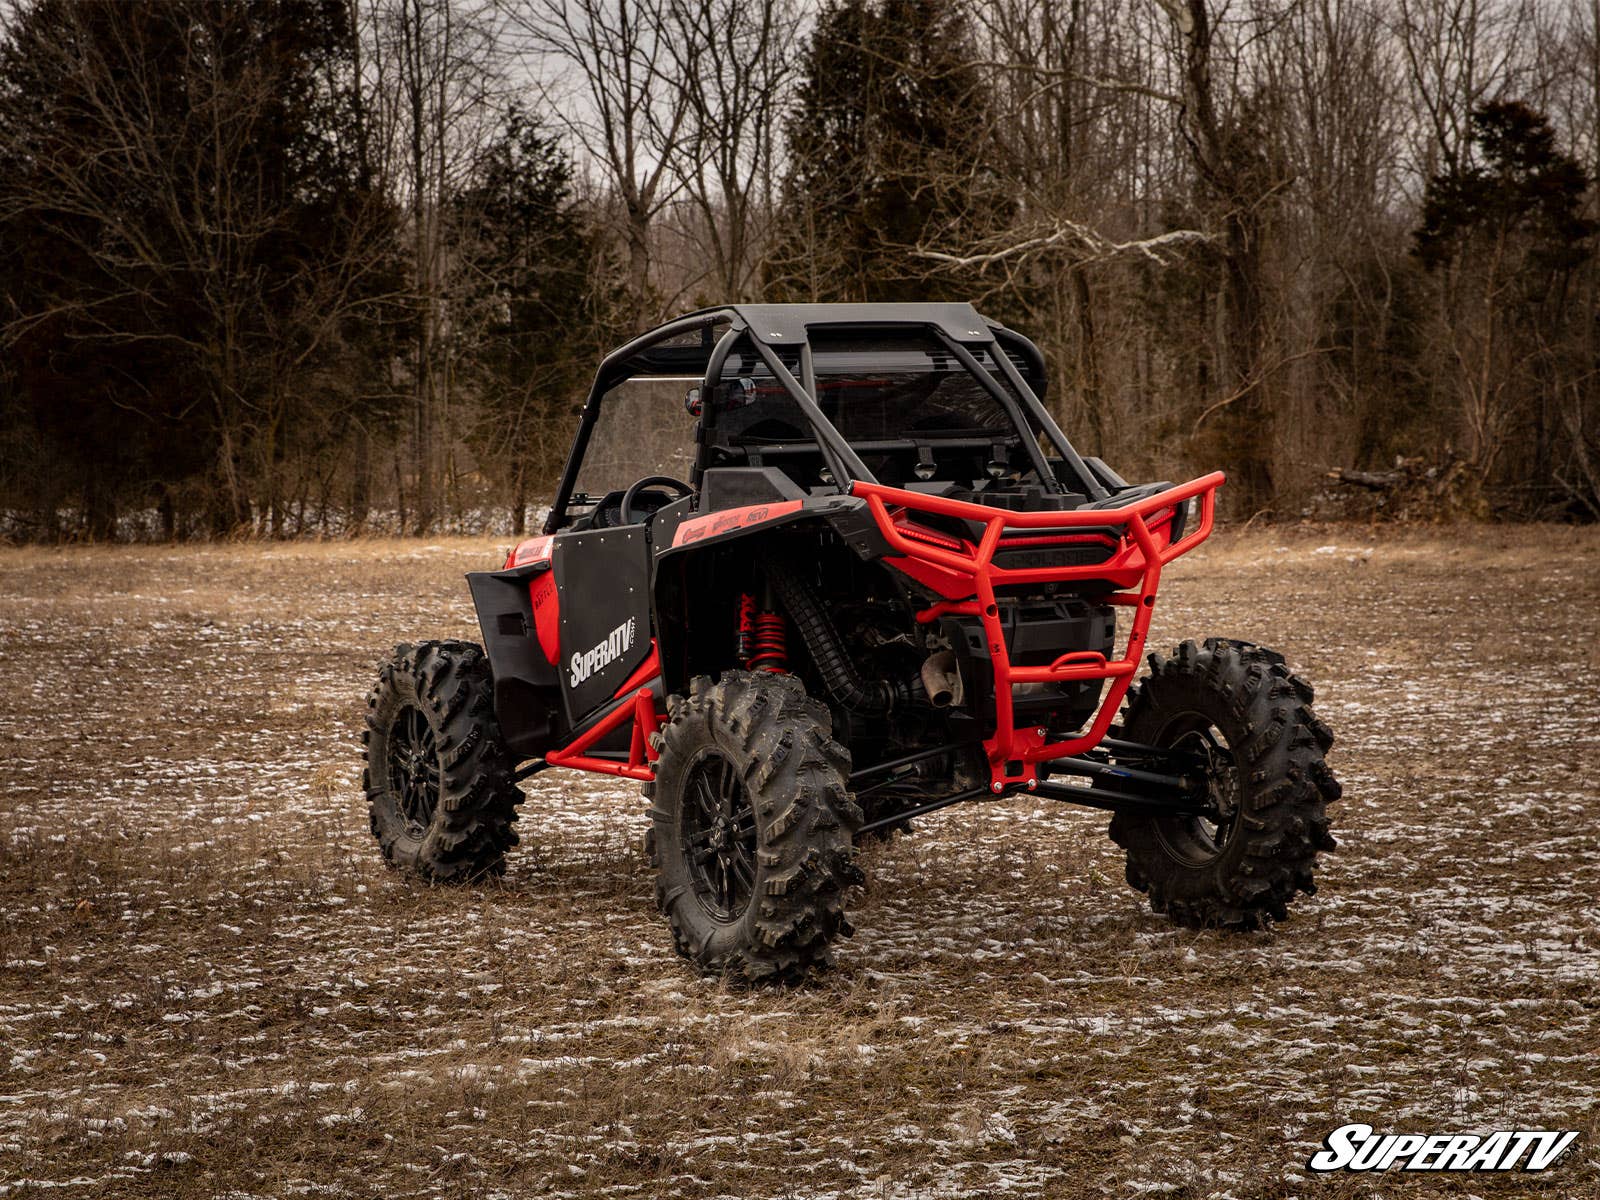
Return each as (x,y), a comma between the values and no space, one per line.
(210,984)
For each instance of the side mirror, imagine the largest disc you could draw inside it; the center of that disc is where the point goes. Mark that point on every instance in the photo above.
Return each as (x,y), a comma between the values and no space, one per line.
(692,404)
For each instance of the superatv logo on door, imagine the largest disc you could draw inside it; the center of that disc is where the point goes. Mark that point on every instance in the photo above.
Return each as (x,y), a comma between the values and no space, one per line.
(617,643)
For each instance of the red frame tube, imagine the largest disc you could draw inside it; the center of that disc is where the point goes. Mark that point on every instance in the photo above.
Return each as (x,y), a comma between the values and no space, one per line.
(1135,567)
(646,721)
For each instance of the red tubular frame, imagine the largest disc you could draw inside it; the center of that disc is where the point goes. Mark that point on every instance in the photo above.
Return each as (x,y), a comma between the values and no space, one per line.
(1135,567)
(642,712)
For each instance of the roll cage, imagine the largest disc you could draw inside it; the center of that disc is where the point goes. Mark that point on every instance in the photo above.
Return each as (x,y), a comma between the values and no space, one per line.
(688,346)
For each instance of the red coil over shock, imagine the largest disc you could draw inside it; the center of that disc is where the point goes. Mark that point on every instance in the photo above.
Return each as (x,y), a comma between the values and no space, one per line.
(771,652)
(762,643)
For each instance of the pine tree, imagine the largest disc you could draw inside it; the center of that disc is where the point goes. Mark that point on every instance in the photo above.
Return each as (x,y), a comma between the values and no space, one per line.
(533,258)
(199,245)
(890,152)
(1503,233)
(1515,181)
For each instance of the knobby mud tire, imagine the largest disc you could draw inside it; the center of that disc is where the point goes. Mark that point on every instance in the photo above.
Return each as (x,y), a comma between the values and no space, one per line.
(470,827)
(795,776)
(1283,787)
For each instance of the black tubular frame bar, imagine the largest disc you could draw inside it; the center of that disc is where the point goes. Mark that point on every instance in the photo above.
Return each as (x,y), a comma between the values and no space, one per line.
(1112,800)
(892,765)
(1020,403)
(1159,794)
(843,461)
(977,793)
(1007,404)
(1106,799)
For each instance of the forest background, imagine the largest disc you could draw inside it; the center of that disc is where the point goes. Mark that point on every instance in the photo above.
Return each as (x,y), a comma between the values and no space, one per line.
(301,267)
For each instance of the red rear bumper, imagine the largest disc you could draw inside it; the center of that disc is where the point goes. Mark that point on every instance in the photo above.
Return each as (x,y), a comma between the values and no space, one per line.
(967,576)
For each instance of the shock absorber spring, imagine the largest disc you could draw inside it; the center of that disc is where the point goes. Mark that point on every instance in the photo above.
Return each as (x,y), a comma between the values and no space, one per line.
(771,649)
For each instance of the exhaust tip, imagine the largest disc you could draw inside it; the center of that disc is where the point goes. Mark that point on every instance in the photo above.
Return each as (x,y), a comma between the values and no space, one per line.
(941,679)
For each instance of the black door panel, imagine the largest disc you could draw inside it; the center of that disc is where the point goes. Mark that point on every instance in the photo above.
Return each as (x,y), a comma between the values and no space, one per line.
(602,576)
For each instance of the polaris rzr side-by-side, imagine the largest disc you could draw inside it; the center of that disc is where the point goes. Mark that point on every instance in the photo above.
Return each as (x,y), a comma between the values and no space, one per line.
(812,571)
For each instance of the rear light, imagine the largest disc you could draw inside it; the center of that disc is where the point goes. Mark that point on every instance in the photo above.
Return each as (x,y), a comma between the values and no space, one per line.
(920,533)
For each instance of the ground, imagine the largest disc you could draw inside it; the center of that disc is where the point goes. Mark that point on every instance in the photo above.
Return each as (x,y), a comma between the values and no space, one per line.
(210,984)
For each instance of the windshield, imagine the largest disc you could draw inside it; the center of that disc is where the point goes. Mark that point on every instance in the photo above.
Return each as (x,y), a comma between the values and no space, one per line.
(642,430)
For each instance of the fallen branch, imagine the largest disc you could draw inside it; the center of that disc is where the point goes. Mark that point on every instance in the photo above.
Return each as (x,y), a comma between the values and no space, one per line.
(1448,488)
(1098,247)
(1375,481)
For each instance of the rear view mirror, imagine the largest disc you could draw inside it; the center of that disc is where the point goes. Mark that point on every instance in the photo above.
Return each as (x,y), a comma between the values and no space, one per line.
(739,392)
(692,403)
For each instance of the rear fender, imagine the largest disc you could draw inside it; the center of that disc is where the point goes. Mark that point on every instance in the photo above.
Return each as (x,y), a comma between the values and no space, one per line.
(698,578)
(517,611)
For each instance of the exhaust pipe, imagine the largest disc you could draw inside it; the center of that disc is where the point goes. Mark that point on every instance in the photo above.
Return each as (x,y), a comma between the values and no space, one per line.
(941,679)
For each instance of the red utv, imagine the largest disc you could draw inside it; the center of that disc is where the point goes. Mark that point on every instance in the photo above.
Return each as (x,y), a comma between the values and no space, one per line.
(812,571)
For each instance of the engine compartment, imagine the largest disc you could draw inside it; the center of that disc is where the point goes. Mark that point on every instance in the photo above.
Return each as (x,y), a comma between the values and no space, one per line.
(894,685)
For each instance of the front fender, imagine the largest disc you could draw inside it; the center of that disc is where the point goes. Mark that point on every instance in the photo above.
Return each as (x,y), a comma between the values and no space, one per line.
(527,685)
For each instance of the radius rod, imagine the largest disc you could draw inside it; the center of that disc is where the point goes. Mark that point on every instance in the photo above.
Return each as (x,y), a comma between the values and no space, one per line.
(1158,795)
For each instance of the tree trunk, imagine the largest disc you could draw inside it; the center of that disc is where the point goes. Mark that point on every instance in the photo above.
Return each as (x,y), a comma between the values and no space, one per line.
(638,268)
(168,514)
(422,273)
(1243,428)
(519,500)
(99,508)
(1246,427)
(360,479)
(1088,358)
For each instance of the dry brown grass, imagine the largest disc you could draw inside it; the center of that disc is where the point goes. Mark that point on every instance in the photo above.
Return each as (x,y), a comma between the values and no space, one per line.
(210,985)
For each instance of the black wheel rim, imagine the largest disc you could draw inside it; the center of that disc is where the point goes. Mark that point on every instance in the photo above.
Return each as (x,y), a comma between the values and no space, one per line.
(1194,839)
(719,836)
(414,769)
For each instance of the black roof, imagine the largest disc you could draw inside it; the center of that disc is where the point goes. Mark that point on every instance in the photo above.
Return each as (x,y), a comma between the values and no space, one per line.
(780,324)
(662,351)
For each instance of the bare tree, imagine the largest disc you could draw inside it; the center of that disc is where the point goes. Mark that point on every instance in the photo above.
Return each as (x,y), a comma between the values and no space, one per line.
(1083,99)
(436,88)
(1239,176)
(1459,53)
(734,60)
(613,77)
